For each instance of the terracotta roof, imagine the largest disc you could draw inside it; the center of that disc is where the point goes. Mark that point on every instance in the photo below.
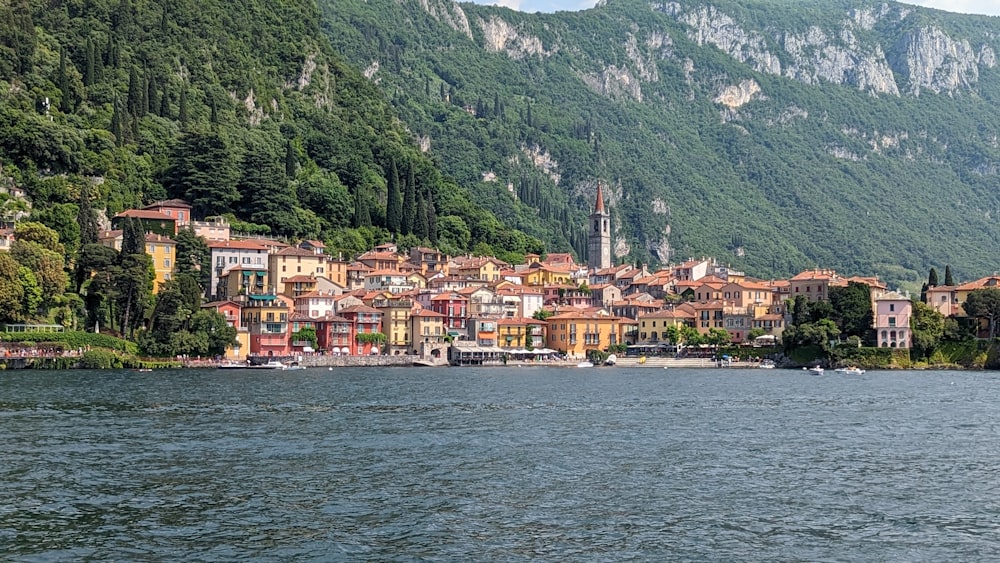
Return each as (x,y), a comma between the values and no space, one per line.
(153,237)
(300,279)
(425,313)
(296,251)
(237,244)
(359,309)
(314,243)
(810,275)
(599,204)
(144,214)
(178,203)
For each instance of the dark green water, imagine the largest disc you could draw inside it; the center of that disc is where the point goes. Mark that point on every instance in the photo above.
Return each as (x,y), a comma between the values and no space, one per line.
(494,464)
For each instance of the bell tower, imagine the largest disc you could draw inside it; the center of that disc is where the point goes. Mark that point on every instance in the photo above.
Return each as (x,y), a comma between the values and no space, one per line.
(599,239)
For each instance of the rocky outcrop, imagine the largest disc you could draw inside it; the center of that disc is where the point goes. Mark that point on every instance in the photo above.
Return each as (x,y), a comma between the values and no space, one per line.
(501,37)
(735,96)
(448,13)
(926,58)
(615,82)
(934,61)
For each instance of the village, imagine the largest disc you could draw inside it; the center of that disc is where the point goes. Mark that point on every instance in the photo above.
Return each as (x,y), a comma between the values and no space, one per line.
(296,300)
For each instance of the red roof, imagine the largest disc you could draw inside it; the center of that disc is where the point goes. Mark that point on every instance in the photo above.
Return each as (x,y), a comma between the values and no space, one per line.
(237,244)
(144,214)
(599,205)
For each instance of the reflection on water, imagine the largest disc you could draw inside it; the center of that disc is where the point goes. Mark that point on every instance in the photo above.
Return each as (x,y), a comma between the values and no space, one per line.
(499,464)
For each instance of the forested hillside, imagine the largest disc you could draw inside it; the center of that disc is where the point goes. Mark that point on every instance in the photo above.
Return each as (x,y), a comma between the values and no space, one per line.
(776,135)
(244,110)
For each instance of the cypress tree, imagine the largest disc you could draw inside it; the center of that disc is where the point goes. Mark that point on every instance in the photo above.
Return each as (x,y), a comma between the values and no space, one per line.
(86,218)
(66,102)
(164,110)
(133,102)
(362,217)
(291,159)
(409,201)
(422,227)
(932,278)
(116,123)
(948,279)
(152,96)
(89,69)
(431,217)
(182,112)
(393,205)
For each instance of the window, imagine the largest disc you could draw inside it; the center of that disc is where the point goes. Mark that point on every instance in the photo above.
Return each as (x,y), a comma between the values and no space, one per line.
(232,259)
(892,321)
(246,260)
(892,306)
(166,262)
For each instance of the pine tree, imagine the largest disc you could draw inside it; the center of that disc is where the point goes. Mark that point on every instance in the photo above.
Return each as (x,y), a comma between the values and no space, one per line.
(393,205)
(948,279)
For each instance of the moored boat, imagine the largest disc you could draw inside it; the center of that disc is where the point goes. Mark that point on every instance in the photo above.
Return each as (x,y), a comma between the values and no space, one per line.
(585,364)
(767,364)
(854,370)
(816,370)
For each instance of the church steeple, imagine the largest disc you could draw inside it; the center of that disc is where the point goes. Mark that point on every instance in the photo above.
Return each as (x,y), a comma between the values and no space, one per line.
(599,239)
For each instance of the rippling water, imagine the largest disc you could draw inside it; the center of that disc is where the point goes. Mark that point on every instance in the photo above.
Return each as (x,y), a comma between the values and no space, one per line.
(499,464)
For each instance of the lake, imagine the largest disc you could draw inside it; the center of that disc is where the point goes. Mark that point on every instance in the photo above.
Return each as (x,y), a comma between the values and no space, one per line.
(498,464)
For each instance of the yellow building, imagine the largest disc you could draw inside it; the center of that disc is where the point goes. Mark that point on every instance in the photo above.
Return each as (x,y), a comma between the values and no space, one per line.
(428,332)
(575,332)
(654,328)
(163,252)
(539,275)
(479,267)
(521,332)
(395,323)
(242,280)
(292,261)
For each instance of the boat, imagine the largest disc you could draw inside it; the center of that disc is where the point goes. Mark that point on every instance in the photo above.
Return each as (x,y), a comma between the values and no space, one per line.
(271,364)
(854,370)
(816,370)
(767,364)
(612,360)
(294,366)
(585,364)
(232,365)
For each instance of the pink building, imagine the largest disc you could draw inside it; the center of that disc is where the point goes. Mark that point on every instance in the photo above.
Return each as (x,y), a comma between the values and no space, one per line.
(892,320)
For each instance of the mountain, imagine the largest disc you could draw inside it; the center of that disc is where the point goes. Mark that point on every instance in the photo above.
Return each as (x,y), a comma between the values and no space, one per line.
(242,110)
(778,135)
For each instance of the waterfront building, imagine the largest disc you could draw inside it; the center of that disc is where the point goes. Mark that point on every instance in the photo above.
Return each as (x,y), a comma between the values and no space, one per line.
(367,321)
(315,304)
(395,323)
(334,335)
(162,252)
(521,333)
(892,320)
(427,331)
(654,328)
(266,318)
(944,300)
(574,332)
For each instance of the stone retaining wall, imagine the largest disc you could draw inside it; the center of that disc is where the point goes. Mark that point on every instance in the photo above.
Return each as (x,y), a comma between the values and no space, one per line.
(357,361)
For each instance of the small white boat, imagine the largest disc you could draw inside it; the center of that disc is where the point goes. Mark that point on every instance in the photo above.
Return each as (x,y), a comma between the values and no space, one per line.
(271,364)
(585,364)
(816,370)
(854,370)
(767,364)
(292,367)
(612,360)
(232,365)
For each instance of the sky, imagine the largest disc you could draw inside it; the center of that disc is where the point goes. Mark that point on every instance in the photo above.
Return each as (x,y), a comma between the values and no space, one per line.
(985,7)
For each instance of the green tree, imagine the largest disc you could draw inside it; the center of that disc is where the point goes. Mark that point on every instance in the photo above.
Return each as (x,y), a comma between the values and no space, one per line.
(393,205)
(932,278)
(984,304)
(132,279)
(11,290)
(928,328)
(949,280)
(410,208)
(193,257)
(203,171)
(852,309)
